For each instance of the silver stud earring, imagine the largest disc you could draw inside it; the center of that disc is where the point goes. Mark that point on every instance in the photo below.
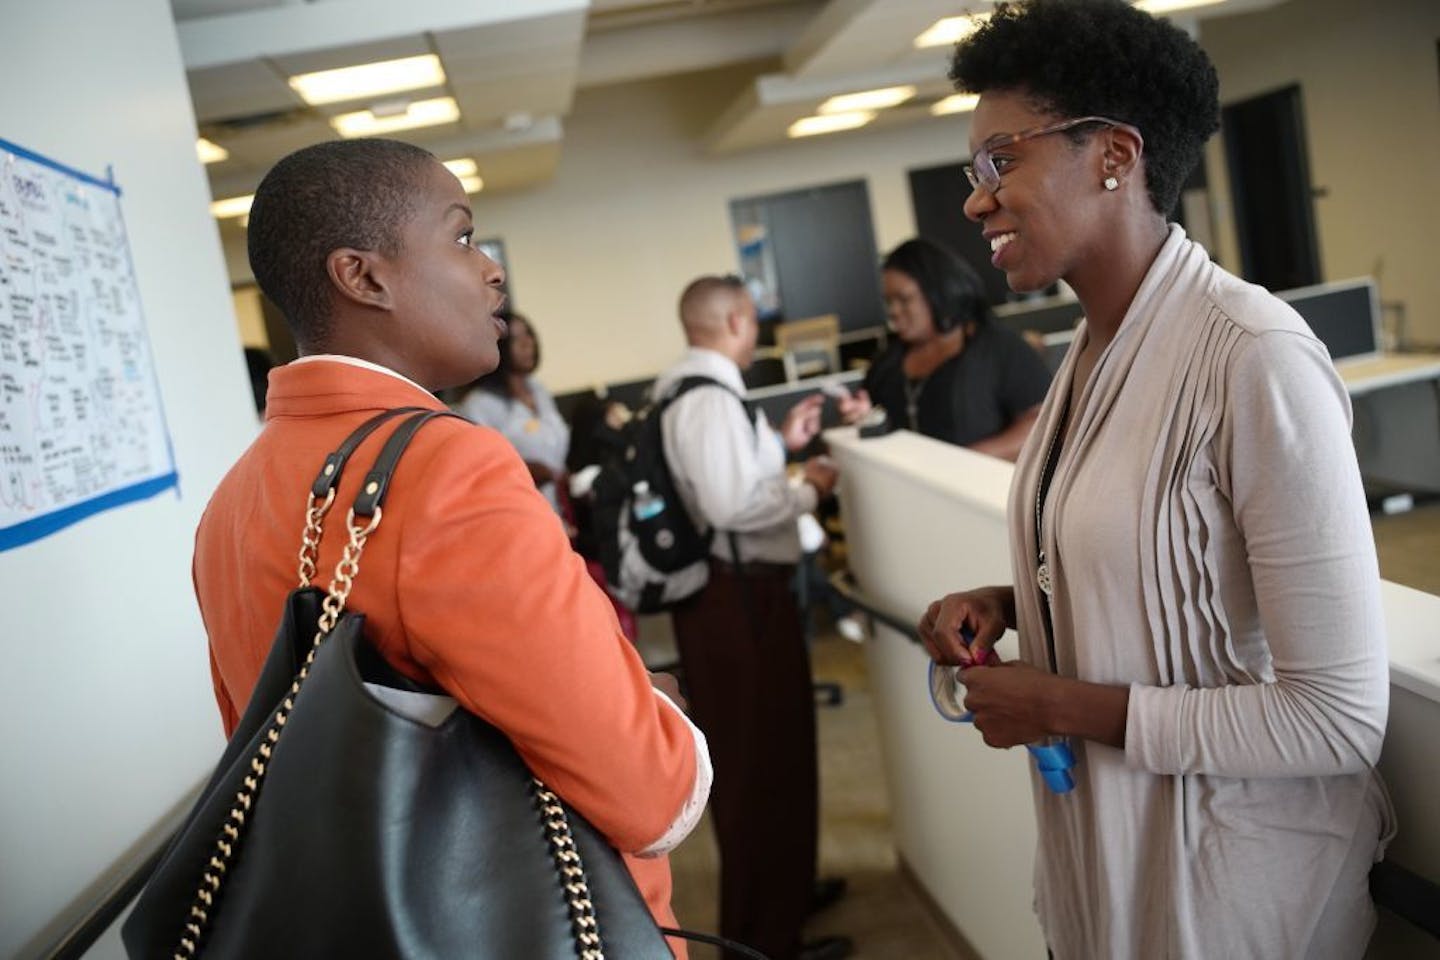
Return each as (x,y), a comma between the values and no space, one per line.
(1111,183)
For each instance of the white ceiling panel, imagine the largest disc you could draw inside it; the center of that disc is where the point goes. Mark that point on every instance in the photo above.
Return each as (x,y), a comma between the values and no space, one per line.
(679,46)
(515,169)
(522,67)
(523,46)
(392,48)
(764,112)
(487,105)
(240,90)
(854,35)
(299,27)
(183,10)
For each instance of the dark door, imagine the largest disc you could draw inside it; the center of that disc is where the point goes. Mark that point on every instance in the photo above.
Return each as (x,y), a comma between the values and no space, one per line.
(820,244)
(1270,185)
(938,195)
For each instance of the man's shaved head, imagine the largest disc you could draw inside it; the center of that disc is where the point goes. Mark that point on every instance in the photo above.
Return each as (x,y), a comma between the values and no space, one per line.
(705,305)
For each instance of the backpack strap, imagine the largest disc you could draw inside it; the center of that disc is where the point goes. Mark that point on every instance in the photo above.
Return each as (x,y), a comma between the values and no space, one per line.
(686,384)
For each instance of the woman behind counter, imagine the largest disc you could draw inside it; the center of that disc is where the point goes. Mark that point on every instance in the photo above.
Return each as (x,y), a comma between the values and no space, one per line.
(513,401)
(1194,577)
(951,373)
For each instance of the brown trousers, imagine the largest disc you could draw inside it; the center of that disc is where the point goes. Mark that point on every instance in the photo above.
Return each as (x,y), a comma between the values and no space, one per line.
(747,672)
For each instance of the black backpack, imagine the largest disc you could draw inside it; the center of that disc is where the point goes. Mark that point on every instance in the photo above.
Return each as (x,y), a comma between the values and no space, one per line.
(653,554)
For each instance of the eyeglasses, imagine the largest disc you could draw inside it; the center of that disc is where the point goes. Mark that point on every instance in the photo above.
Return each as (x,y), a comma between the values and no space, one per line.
(982,173)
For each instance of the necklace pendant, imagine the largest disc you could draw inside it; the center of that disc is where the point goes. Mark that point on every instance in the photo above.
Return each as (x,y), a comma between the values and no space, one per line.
(1042,577)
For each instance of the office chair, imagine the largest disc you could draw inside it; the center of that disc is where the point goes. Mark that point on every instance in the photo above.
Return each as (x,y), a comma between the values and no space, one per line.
(809,347)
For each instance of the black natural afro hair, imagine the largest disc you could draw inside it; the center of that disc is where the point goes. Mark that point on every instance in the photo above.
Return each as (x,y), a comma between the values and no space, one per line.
(344,193)
(1079,58)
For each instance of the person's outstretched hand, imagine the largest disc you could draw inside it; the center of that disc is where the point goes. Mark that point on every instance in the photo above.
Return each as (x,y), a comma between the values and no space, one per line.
(854,407)
(802,422)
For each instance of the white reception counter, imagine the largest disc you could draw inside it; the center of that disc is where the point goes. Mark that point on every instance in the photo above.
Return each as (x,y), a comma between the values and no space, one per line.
(923,519)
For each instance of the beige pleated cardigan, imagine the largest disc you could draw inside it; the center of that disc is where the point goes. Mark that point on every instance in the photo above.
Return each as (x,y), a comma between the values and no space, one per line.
(1208,538)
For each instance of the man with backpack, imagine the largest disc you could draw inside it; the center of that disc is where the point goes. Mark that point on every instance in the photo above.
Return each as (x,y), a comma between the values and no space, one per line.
(740,638)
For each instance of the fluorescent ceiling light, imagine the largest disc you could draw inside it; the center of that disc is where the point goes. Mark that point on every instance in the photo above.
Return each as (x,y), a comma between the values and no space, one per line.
(472,184)
(1158,7)
(868,100)
(421,113)
(463,167)
(210,152)
(829,123)
(950,30)
(955,103)
(231,207)
(369,80)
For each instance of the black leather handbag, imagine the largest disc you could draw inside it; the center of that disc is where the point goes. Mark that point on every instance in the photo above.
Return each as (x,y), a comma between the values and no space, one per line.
(337,824)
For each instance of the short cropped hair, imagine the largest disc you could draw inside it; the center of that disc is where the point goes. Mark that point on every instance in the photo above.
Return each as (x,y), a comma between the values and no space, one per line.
(702,289)
(344,193)
(1080,58)
(951,287)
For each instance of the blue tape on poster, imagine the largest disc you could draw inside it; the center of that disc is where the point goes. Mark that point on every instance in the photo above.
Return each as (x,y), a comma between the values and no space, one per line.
(32,530)
(7,147)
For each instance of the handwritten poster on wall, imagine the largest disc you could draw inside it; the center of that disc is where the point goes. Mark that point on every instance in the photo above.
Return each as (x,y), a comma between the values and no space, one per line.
(81,424)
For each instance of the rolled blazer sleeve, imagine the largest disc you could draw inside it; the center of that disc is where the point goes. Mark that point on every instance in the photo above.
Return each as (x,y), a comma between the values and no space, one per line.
(1288,466)
(502,612)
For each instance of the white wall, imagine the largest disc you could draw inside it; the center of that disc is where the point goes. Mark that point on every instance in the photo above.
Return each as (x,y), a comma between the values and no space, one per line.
(105,695)
(1370,86)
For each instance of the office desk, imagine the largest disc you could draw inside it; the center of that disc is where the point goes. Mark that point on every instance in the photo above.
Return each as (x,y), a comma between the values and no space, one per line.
(1396,402)
(1364,375)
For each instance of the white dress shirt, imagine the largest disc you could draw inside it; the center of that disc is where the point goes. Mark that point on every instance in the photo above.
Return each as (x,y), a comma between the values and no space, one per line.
(730,475)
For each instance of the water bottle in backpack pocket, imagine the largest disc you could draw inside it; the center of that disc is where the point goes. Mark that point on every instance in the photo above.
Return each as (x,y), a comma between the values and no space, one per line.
(653,554)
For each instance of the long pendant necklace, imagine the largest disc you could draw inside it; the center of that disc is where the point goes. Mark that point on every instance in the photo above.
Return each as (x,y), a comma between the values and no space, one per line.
(1042,490)
(913,389)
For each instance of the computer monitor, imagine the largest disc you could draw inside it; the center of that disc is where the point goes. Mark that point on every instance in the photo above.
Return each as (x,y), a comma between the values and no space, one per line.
(1345,315)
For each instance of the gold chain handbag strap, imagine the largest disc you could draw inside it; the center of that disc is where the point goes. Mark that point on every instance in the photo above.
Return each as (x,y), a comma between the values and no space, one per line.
(327,481)
(572,873)
(367,508)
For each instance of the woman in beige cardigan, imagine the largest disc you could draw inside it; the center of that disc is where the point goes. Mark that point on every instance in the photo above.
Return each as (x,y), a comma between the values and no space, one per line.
(1195,584)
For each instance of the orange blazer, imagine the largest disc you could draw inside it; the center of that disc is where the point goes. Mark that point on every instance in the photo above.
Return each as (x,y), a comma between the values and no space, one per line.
(469,582)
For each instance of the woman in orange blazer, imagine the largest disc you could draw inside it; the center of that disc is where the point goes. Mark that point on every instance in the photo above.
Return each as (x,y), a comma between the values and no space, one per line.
(365,246)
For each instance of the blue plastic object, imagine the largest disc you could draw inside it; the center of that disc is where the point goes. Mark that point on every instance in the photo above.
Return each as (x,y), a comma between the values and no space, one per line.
(1054,761)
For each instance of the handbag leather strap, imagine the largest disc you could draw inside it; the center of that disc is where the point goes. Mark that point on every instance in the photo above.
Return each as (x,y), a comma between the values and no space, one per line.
(329,476)
(322,491)
(377,481)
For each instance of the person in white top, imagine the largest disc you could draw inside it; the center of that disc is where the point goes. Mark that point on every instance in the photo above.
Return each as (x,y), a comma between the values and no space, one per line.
(512,400)
(740,639)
